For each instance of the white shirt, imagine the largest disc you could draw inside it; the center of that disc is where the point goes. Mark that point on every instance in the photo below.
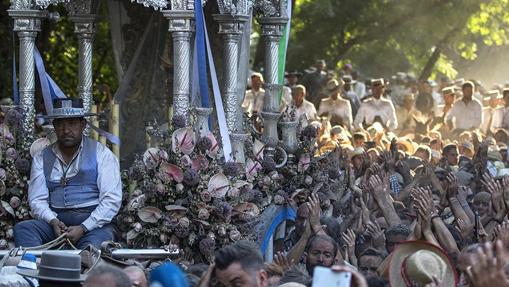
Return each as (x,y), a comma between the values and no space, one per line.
(253,101)
(372,108)
(108,182)
(466,115)
(500,119)
(307,109)
(360,89)
(337,107)
(487,116)
(286,98)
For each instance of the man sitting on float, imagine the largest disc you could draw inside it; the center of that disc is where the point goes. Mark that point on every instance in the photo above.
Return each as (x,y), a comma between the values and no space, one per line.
(75,186)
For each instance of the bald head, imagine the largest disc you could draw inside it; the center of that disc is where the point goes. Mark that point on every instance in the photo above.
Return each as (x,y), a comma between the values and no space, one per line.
(136,275)
(107,276)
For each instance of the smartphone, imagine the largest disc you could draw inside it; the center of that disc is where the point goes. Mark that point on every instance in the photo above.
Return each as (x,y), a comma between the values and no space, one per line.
(324,276)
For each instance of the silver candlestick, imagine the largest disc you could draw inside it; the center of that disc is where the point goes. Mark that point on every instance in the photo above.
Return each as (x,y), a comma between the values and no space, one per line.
(201,124)
(289,133)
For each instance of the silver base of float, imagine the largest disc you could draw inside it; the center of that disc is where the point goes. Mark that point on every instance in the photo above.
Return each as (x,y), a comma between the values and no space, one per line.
(115,253)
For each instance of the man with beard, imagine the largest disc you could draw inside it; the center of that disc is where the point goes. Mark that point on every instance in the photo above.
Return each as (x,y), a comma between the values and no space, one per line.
(75,186)
(321,250)
(240,264)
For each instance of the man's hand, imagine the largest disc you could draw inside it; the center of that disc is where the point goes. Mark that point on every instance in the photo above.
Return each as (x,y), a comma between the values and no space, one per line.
(349,238)
(496,191)
(74,233)
(379,187)
(489,268)
(376,233)
(452,185)
(283,261)
(58,226)
(314,212)
(505,186)
(501,233)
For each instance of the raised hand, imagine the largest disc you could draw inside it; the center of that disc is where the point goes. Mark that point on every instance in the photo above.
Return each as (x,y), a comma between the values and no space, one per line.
(379,187)
(452,185)
(348,238)
(505,190)
(488,269)
(464,228)
(282,261)
(376,233)
(315,211)
(495,188)
(389,161)
(423,203)
(501,232)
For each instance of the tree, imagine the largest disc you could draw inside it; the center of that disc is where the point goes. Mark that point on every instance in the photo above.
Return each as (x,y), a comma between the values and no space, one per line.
(382,36)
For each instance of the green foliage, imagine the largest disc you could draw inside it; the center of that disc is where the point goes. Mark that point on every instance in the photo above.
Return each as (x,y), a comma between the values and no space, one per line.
(59,46)
(61,56)
(384,36)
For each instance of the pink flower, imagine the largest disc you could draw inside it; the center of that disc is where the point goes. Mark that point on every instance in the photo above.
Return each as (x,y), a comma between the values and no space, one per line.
(252,168)
(214,148)
(172,170)
(183,141)
(218,185)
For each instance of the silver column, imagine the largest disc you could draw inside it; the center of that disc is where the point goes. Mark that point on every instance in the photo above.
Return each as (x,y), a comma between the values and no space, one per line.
(182,28)
(231,26)
(272,28)
(27,22)
(84,28)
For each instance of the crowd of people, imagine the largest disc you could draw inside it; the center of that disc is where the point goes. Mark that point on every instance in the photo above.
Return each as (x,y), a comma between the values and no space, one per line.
(425,198)
(429,188)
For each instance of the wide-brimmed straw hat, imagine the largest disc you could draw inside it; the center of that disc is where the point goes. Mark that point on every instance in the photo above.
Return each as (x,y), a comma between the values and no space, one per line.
(68,108)
(333,85)
(418,262)
(57,266)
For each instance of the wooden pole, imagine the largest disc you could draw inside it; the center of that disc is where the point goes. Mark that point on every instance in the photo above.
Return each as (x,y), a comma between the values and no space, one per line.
(115,127)
(95,122)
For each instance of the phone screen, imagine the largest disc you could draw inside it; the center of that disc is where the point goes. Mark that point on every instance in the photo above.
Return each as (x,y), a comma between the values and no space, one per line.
(324,276)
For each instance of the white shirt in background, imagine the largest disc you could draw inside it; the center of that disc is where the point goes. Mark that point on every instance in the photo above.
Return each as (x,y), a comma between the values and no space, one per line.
(338,107)
(500,119)
(253,101)
(466,116)
(307,109)
(372,108)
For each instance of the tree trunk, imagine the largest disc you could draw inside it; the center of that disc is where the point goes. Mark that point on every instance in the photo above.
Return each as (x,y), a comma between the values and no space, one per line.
(428,68)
